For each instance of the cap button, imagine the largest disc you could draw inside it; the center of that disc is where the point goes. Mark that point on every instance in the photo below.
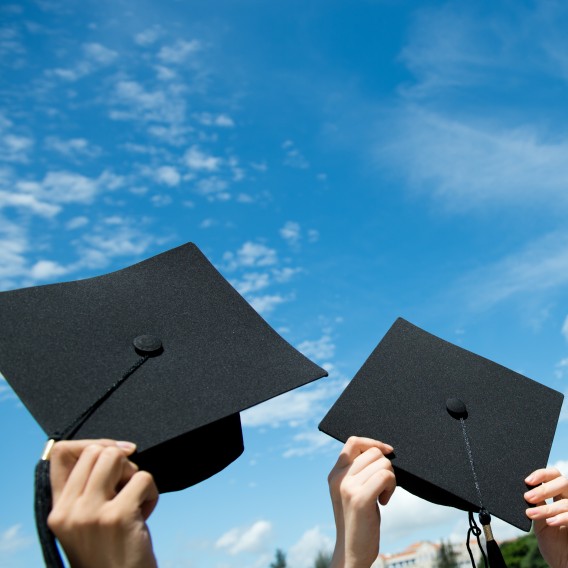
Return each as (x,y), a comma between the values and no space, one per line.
(147,344)
(456,408)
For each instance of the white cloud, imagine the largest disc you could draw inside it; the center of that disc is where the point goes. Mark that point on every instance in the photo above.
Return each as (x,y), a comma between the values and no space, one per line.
(294,157)
(561,368)
(291,232)
(95,57)
(308,443)
(73,148)
(320,349)
(162,109)
(167,175)
(29,203)
(148,37)
(245,539)
(196,159)
(295,407)
(565,328)
(303,553)
(14,246)
(266,304)
(397,523)
(207,224)
(540,266)
(564,409)
(164,73)
(251,255)
(63,187)
(115,237)
(252,282)
(562,466)
(285,274)
(313,235)
(161,200)
(12,540)
(47,270)
(472,164)
(77,223)
(179,52)
(14,147)
(221,120)
(99,53)
(213,188)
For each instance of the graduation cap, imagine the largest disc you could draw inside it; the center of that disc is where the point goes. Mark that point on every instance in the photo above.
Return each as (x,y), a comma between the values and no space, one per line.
(466,431)
(164,353)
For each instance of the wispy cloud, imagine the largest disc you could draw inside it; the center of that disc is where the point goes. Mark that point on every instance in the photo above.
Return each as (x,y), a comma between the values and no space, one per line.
(396,523)
(296,407)
(541,266)
(179,52)
(291,232)
(293,157)
(310,442)
(95,56)
(15,146)
(562,466)
(322,349)
(473,164)
(251,255)
(47,196)
(303,553)
(251,538)
(12,540)
(73,148)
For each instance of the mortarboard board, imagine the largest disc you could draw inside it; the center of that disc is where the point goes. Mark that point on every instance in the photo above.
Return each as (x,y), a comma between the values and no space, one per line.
(164,353)
(459,423)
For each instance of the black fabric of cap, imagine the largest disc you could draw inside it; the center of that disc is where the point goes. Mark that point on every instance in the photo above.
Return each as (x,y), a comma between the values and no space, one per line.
(401,396)
(210,356)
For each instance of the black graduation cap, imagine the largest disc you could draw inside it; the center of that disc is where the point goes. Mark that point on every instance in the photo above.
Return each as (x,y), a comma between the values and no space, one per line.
(466,431)
(164,353)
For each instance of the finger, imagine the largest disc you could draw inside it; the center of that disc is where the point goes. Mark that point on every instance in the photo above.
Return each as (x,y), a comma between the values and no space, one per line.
(380,486)
(542,476)
(65,454)
(79,475)
(557,487)
(111,470)
(362,461)
(558,521)
(365,474)
(548,510)
(139,494)
(356,445)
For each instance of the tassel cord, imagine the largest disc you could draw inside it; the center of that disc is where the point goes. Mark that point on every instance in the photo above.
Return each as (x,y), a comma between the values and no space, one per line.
(43,495)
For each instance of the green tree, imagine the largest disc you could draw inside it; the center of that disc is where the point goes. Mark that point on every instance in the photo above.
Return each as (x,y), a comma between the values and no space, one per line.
(447,557)
(279,560)
(523,552)
(323,560)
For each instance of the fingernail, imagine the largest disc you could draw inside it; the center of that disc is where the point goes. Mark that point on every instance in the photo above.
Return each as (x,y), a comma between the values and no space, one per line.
(529,495)
(389,447)
(127,446)
(530,513)
(530,479)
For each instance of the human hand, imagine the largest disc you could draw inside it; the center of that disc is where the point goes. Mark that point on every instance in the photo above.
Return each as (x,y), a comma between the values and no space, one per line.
(361,477)
(100,505)
(550,520)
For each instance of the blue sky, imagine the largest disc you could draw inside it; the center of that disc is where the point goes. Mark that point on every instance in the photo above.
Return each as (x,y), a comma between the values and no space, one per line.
(341,163)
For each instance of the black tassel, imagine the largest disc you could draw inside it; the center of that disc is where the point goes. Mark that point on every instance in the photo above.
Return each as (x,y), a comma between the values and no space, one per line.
(42,507)
(494,555)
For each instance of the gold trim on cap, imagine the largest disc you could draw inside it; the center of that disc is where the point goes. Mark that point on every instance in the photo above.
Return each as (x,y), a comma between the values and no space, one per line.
(47,450)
